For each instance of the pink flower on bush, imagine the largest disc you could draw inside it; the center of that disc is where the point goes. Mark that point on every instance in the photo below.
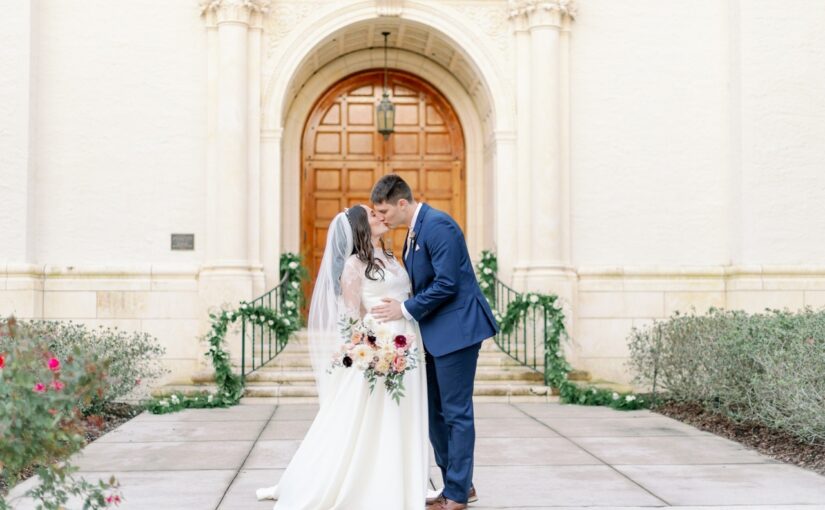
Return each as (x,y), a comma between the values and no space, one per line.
(113,499)
(399,363)
(39,388)
(54,364)
(57,385)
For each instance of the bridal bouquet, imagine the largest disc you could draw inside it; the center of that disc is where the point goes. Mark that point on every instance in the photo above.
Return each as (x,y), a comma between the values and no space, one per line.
(378,352)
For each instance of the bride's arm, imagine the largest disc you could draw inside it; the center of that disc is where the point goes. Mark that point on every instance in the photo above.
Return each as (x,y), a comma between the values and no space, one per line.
(352,279)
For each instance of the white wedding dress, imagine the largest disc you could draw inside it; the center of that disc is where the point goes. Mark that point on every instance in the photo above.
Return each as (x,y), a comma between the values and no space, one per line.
(363,449)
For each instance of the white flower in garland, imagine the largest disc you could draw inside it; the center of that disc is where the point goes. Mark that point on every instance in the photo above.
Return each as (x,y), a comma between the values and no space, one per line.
(295,285)
(534,298)
(243,306)
(289,304)
(253,317)
(487,270)
(164,403)
(293,265)
(271,322)
(210,398)
(174,399)
(485,285)
(285,321)
(615,396)
(630,398)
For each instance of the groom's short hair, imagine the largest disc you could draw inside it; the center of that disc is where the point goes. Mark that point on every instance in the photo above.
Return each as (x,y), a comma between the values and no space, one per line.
(391,188)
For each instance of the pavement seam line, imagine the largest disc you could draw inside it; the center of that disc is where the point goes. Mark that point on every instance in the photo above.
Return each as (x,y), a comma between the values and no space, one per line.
(623,475)
(240,468)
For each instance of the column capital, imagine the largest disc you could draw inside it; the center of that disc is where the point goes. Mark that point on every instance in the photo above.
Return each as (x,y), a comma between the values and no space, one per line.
(541,13)
(248,12)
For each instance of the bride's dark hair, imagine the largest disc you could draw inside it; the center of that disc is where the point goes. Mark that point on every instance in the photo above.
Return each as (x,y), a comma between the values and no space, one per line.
(362,242)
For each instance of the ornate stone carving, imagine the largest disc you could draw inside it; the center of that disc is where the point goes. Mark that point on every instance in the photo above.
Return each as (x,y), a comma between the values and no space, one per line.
(243,11)
(283,18)
(389,7)
(543,12)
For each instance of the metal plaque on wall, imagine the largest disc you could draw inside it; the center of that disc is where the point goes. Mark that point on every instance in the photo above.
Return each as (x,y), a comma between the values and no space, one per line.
(183,241)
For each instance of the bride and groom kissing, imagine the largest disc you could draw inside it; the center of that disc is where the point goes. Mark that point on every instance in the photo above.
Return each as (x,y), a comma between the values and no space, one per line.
(417,330)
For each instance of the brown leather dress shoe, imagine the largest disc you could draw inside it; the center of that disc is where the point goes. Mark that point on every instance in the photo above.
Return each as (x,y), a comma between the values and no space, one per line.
(435,503)
(449,504)
(472,497)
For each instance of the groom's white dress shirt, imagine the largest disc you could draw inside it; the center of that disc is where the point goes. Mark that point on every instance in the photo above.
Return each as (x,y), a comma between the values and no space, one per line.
(410,243)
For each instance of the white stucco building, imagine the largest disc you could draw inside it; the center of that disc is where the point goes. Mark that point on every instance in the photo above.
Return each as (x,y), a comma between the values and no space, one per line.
(634,156)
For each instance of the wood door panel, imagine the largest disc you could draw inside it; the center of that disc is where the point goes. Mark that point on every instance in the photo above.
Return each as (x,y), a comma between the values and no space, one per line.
(344,155)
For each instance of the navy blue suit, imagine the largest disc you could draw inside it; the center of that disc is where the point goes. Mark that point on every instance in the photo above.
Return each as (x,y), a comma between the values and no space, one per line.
(454,318)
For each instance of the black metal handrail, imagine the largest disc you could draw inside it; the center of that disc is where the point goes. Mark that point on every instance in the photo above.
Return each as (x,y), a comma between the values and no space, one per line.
(259,333)
(526,342)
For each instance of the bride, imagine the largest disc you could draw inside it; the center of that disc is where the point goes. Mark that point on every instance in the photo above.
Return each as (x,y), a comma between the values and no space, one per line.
(364,449)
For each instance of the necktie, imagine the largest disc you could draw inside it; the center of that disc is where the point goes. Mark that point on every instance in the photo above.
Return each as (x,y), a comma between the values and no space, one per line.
(409,242)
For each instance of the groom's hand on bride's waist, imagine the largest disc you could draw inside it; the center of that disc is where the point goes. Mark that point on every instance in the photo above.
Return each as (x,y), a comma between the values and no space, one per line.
(389,311)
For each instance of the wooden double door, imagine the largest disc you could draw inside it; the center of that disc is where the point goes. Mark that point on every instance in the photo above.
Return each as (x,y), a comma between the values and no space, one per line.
(343,154)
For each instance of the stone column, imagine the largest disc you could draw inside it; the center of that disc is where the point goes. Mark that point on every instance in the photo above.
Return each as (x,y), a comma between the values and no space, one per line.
(521,261)
(546,263)
(270,194)
(232,259)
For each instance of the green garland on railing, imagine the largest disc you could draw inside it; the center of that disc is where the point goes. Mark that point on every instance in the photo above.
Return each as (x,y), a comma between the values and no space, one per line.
(556,367)
(487,269)
(229,384)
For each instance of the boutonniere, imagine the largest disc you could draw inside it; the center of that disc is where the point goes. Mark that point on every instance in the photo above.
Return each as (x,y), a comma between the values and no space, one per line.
(412,236)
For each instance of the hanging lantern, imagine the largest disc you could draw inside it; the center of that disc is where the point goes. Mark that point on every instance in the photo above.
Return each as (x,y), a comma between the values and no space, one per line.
(386,110)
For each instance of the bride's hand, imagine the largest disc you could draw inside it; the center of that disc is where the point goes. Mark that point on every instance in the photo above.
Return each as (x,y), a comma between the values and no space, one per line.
(389,311)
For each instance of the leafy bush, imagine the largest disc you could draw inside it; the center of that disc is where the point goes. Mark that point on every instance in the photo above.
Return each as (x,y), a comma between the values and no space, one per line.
(41,423)
(767,367)
(133,358)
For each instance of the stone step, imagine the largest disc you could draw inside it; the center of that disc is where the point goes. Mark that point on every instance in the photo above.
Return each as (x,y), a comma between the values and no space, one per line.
(303,390)
(292,375)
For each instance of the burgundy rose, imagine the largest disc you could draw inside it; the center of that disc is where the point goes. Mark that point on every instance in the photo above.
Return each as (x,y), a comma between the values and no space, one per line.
(372,341)
(347,361)
(400,342)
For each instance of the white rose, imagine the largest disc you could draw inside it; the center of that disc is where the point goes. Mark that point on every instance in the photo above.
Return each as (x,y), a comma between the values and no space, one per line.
(293,265)
(271,322)
(534,298)
(487,270)
(484,285)
(295,285)
(615,396)
(289,304)
(254,317)
(630,398)
(210,398)
(243,306)
(164,403)
(285,321)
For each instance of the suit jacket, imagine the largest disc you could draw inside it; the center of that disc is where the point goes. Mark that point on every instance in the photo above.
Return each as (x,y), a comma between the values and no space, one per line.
(447,302)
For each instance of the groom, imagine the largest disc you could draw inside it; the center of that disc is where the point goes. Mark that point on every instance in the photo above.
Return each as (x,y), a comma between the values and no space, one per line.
(454,318)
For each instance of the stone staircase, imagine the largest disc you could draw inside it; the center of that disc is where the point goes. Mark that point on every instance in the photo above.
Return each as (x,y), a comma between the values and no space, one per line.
(289,376)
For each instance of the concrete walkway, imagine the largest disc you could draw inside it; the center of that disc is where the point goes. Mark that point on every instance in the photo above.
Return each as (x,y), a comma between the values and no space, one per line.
(528,455)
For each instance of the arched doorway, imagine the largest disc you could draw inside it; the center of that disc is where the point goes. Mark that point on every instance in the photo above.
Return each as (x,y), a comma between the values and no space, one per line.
(343,154)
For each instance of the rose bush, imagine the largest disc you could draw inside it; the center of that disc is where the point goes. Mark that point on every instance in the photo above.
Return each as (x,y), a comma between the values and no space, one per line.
(41,419)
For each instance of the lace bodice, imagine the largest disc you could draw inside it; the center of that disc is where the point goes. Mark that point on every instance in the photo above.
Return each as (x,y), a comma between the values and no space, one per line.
(360,293)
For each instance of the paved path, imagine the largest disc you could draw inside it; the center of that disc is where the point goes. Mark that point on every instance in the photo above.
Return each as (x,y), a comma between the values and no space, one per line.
(528,455)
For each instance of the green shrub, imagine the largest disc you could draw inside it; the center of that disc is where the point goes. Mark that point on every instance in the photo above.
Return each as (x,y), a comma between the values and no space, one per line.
(41,423)
(767,367)
(133,358)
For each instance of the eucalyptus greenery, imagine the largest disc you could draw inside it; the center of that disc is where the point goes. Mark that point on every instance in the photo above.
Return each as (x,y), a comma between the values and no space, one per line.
(556,367)
(282,323)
